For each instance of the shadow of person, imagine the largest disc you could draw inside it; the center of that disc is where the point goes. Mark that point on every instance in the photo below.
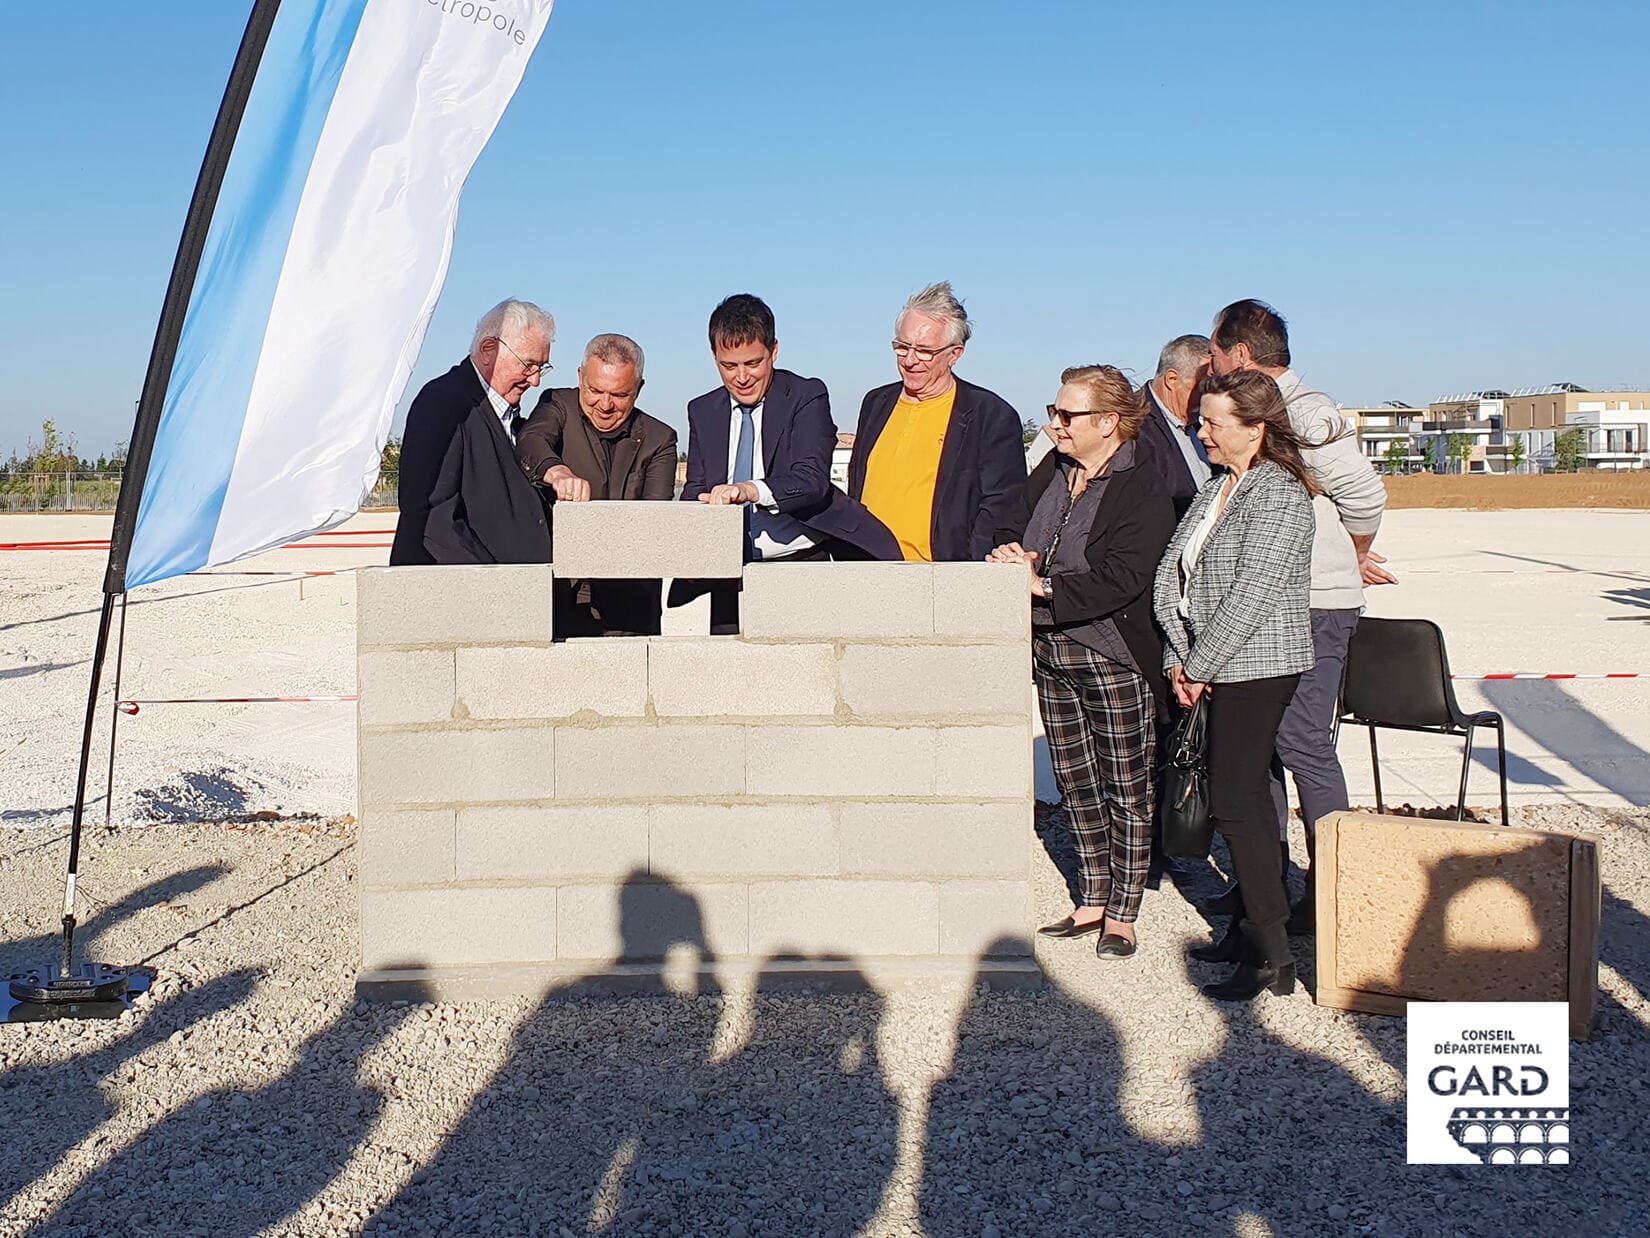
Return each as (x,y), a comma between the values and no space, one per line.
(1026,1134)
(60,1103)
(235,1162)
(669,1110)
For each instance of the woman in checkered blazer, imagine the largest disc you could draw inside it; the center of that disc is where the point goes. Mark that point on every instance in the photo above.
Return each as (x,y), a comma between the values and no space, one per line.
(1233,597)
(1091,533)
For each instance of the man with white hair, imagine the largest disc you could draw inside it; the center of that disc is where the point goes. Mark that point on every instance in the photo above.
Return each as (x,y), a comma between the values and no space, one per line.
(463,497)
(937,459)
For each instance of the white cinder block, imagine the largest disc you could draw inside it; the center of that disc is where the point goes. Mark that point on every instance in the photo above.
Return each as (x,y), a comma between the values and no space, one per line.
(881,681)
(563,842)
(605,676)
(937,840)
(837,600)
(649,762)
(986,918)
(457,766)
(854,761)
(717,677)
(982,600)
(690,619)
(406,847)
(713,841)
(410,685)
(449,928)
(983,762)
(604,541)
(642,919)
(452,605)
(848,918)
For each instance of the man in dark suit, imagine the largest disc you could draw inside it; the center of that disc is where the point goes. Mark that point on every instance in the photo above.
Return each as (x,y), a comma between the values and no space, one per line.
(764,438)
(592,442)
(463,498)
(937,460)
(1171,454)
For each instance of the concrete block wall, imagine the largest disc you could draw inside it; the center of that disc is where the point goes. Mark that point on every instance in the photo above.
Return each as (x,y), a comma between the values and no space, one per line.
(847,780)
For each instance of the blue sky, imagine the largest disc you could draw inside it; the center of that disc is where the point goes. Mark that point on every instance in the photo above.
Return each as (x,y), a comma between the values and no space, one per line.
(1439,197)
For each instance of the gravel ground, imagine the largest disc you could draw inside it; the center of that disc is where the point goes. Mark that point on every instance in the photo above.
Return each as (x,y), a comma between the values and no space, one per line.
(249,1093)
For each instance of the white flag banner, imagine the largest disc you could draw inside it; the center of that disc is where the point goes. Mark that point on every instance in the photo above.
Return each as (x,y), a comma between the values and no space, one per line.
(323,263)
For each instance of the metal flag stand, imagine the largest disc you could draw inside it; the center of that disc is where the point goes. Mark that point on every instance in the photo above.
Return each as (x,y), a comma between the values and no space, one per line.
(60,989)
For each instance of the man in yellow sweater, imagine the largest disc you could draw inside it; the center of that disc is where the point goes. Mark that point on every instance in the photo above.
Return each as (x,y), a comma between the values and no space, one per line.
(936,459)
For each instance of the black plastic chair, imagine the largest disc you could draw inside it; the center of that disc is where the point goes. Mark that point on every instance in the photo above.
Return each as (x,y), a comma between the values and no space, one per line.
(1397,676)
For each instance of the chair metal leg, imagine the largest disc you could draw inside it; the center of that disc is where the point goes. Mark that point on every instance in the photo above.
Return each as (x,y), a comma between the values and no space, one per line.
(1501,764)
(1375,764)
(1466,767)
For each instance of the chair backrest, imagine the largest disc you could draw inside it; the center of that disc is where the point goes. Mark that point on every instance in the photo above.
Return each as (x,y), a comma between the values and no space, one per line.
(1397,673)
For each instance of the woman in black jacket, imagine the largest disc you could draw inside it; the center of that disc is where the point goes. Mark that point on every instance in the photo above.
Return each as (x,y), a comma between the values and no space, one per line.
(1091,533)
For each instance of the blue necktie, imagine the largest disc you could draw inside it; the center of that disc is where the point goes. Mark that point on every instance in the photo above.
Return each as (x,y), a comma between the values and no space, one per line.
(744,457)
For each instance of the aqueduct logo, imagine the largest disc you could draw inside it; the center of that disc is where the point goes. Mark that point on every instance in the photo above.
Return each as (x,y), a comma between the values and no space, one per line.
(1489,1083)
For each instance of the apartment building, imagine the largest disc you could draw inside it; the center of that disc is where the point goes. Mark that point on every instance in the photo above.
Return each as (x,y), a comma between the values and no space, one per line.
(1615,425)
(1384,425)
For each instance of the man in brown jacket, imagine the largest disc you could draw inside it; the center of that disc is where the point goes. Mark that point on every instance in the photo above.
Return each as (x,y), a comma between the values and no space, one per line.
(592,442)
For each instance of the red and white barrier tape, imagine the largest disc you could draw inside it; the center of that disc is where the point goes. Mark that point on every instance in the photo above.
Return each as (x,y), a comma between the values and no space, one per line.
(1565,675)
(131,707)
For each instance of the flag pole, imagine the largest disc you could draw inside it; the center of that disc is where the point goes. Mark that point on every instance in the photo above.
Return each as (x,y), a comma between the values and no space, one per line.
(63,985)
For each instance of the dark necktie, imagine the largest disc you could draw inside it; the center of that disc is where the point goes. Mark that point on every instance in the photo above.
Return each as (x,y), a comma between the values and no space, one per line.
(744,459)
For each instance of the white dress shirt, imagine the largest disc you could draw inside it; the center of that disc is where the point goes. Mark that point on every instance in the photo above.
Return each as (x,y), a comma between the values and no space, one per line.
(773,536)
(502,409)
(1197,461)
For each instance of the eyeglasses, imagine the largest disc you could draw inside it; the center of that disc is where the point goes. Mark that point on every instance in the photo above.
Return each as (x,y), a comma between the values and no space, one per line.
(1064,416)
(532,367)
(902,349)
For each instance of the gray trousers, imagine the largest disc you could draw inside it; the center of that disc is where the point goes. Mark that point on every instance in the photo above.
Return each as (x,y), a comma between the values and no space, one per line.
(1306,744)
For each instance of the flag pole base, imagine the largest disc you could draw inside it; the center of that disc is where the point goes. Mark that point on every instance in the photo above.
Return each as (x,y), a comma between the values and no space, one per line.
(89,984)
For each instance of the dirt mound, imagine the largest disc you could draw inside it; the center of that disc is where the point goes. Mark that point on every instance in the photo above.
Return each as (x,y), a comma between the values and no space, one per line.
(1494,494)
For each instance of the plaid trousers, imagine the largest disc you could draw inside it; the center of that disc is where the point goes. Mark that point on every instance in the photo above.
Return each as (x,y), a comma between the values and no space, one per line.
(1097,715)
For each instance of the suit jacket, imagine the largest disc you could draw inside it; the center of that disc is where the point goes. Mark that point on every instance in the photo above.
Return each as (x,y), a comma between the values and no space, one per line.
(982,474)
(644,468)
(1250,593)
(644,463)
(1160,459)
(1131,527)
(798,437)
(463,498)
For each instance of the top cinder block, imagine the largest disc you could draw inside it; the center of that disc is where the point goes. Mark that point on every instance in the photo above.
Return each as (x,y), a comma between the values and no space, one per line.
(837,600)
(456,605)
(627,541)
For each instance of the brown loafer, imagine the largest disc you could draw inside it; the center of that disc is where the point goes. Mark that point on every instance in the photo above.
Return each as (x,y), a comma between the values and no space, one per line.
(1114,946)
(1068,928)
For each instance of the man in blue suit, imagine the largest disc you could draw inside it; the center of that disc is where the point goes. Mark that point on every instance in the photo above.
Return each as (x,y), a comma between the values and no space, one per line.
(764,438)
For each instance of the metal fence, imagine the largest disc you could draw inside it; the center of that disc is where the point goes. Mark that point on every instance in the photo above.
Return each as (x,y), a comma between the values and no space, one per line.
(97,492)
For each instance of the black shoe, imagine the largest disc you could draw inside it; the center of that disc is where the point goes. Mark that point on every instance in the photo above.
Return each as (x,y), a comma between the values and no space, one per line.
(1248,981)
(1114,946)
(1229,902)
(1068,928)
(1229,949)
(1303,917)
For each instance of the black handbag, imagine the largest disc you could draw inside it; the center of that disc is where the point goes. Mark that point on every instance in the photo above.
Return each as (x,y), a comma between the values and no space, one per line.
(1183,809)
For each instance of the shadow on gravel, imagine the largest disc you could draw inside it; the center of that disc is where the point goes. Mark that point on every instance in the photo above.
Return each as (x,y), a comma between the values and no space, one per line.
(246,1160)
(26,952)
(51,1108)
(647,1114)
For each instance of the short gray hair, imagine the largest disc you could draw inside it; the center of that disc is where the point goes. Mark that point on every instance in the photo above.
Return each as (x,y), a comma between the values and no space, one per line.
(1183,355)
(514,319)
(616,350)
(938,301)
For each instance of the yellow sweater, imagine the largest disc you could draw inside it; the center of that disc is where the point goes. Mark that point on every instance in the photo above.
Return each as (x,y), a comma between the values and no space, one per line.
(904,466)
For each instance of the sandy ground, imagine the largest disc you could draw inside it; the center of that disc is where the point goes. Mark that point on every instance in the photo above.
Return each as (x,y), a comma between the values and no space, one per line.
(1595,488)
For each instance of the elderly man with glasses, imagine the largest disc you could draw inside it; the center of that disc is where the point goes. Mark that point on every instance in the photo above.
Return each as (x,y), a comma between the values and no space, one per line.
(937,459)
(463,497)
